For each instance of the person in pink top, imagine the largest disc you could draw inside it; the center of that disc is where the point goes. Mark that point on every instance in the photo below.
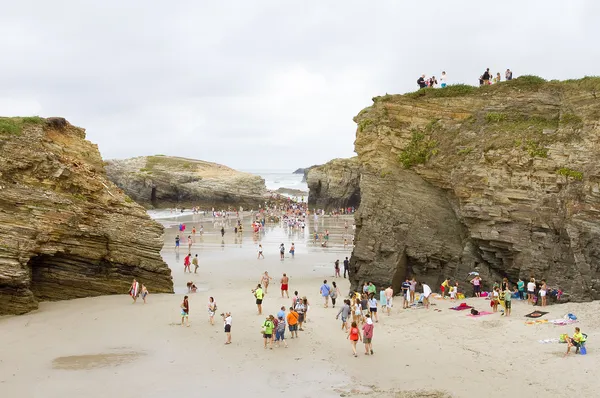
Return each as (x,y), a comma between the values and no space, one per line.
(476,286)
(368,335)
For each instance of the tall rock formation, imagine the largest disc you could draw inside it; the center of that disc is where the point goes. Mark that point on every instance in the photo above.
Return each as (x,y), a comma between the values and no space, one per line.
(65,230)
(335,184)
(503,180)
(165,181)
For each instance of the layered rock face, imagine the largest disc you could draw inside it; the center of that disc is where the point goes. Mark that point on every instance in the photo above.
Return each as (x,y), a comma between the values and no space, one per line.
(335,184)
(503,180)
(65,230)
(164,181)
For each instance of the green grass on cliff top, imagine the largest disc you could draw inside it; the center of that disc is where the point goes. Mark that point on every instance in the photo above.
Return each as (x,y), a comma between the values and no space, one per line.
(14,125)
(522,83)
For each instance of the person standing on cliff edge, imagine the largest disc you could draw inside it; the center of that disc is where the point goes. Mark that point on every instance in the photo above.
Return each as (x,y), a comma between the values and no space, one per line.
(421,81)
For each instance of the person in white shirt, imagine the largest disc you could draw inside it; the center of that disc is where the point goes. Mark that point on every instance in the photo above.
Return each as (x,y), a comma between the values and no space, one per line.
(443,79)
(426,294)
(530,291)
(227,323)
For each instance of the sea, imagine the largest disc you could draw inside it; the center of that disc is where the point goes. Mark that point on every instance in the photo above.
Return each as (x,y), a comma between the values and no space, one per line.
(274,179)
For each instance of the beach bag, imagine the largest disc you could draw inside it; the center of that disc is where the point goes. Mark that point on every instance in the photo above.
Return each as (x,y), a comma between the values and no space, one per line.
(474,311)
(572,317)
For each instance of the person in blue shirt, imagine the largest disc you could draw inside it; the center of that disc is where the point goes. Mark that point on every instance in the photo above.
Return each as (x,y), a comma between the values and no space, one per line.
(281,313)
(405,293)
(325,290)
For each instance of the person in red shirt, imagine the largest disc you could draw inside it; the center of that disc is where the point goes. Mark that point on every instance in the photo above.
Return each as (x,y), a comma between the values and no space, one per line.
(354,335)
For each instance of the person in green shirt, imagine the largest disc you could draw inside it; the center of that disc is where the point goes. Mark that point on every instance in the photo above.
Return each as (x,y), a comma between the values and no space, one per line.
(507,302)
(258,293)
(521,287)
(371,288)
(267,327)
(576,341)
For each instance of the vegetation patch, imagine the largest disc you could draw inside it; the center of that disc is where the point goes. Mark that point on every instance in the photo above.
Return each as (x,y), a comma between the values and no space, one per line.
(570,173)
(526,81)
(363,124)
(14,125)
(163,161)
(128,199)
(419,150)
(465,151)
(453,90)
(570,119)
(495,117)
(535,149)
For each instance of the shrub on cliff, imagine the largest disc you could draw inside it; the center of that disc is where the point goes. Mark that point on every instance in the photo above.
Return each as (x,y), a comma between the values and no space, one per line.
(453,90)
(418,151)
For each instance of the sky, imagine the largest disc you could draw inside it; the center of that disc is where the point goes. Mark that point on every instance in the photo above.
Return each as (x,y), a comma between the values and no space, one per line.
(265,84)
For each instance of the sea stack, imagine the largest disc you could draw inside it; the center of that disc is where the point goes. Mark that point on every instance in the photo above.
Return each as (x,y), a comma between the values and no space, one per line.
(166,181)
(503,180)
(66,231)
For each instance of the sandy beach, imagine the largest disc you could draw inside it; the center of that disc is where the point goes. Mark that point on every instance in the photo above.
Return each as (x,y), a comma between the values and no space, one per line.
(107,346)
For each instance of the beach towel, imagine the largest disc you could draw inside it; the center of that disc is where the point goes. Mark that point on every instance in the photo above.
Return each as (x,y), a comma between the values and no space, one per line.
(536,322)
(461,307)
(135,289)
(481,313)
(562,322)
(547,341)
(536,314)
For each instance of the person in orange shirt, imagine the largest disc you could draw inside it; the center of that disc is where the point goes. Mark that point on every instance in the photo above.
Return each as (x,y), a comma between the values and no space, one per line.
(292,320)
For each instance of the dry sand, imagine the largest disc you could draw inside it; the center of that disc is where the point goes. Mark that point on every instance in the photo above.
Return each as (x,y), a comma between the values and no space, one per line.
(105,346)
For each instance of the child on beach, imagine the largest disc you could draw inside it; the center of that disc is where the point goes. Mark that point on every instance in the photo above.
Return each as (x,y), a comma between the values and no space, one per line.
(495,299)
(507,302)
(212,307)
(144,293)
(354,335)
(267,329)
(292,252)
(260,252)
(344,312)
(185,311)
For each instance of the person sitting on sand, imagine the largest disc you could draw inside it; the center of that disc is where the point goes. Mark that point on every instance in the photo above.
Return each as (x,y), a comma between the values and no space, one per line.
(576,341)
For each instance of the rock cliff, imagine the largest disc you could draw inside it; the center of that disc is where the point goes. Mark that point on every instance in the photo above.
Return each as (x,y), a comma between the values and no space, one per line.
(335,184)
(503,180)
(164,181)
(65,230)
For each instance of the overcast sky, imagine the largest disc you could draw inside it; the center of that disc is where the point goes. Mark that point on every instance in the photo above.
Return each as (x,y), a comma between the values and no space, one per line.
(265,84)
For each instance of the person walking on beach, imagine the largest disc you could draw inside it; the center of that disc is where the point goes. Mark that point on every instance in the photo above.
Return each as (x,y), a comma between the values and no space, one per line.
(306,308)
(368,328)
(260,252)
(144,293)
(195,263)
(335,292)
(354,335)
(212,308)
(300,310)
(345,313)
(356,310)
(373,307)
(258,294)
(292,320)
(280,332)
(177,242)
(281,251)
(186,263)
(265,279)
(476,286)
(227,324)
(189,240)
(389,296)
(346,266)
(222,232)
(285,280)
(325,290)
(292,252)
(185,311)
(134,290)
(267,329)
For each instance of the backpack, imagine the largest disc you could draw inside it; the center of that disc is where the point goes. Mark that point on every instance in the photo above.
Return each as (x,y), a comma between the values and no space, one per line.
(474,311)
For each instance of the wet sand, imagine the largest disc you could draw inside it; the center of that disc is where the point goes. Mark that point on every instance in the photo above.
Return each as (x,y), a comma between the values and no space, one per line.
(106,346)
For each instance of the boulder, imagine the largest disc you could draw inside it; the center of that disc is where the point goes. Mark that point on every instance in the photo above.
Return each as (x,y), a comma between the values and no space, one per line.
(335,184)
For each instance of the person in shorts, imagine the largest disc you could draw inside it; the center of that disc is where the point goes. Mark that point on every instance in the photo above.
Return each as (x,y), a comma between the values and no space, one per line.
(227,323)
(280,332)
(507,302)
(368,335)
(267,329)
(292,320)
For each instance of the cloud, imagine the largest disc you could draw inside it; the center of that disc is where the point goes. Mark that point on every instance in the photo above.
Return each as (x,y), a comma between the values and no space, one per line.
(263,84)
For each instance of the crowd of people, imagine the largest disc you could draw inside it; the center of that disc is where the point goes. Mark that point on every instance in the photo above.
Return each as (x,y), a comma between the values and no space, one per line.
(486,78)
